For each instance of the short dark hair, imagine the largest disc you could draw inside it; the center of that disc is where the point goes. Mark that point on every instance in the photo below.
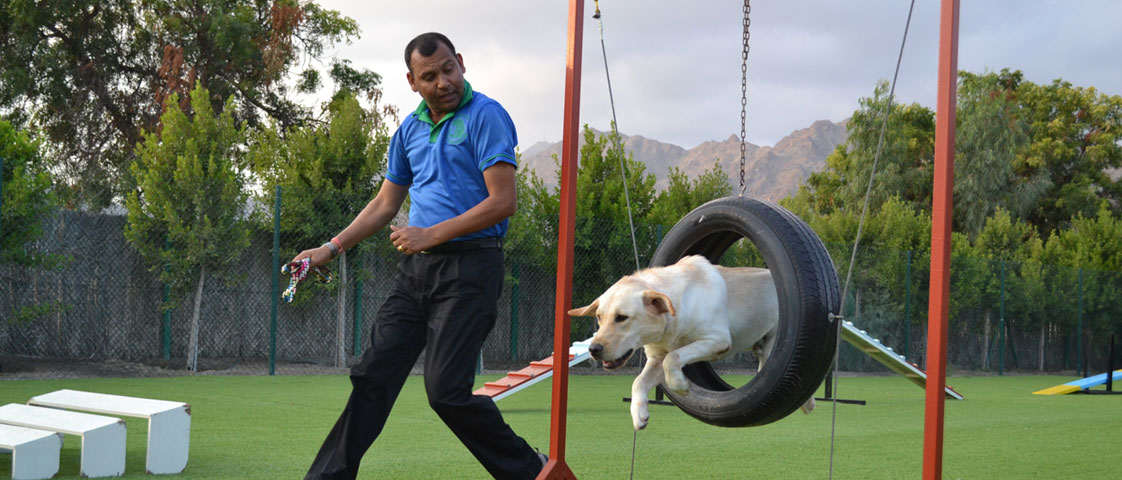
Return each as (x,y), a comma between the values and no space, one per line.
(426,44)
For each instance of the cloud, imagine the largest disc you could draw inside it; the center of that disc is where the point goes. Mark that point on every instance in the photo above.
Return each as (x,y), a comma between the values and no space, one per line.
(675,66)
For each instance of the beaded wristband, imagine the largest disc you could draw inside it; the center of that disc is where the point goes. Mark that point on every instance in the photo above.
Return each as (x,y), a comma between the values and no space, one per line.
(334,249)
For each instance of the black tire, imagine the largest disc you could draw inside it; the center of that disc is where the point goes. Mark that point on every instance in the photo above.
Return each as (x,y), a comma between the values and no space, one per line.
(807,287)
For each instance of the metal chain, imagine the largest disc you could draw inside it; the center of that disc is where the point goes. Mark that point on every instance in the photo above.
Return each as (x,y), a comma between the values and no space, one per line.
(744,91)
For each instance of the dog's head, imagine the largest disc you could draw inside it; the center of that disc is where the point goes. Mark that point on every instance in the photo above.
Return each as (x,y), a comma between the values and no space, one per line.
(630,315)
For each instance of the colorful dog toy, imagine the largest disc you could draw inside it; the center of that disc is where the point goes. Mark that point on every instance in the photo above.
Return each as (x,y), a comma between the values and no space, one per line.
(298,270)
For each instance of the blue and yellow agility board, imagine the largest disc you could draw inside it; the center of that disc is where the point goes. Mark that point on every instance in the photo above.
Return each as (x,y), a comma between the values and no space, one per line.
(1081,384)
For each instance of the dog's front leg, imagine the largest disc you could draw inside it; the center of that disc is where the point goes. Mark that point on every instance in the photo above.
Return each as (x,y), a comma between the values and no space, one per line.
(705,349)
(647,379)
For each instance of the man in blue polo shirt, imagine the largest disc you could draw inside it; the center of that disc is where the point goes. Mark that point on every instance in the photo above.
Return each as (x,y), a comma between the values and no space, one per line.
(454,158)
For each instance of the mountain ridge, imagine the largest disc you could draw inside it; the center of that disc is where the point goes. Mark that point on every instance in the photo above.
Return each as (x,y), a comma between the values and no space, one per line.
(771,172)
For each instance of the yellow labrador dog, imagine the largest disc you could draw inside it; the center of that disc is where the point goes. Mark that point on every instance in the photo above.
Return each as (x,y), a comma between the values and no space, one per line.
(679,314)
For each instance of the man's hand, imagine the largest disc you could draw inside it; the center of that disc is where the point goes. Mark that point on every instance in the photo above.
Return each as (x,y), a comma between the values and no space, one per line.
(501,202)
(410,240)
(315,256)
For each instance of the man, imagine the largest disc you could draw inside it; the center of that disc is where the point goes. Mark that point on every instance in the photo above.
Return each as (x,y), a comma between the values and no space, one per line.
(454,157)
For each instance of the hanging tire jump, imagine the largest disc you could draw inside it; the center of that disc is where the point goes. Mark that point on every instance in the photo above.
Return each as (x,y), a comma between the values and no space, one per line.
(807,288)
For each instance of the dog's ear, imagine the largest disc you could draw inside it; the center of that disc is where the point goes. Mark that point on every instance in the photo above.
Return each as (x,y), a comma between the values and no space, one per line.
(586,311)
(658,303)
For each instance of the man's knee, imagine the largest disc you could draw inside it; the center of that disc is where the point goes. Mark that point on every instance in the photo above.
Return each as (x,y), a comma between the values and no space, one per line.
(447,398)
(364,373)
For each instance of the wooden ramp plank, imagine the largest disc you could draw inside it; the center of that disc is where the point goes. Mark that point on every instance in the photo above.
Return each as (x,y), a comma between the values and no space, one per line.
(886,356)
(532,374)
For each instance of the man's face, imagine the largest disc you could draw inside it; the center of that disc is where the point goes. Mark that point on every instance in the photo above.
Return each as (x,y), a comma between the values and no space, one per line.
(439,79)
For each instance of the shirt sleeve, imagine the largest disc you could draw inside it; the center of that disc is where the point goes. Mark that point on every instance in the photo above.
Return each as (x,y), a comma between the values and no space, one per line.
(397,165)
(496,137)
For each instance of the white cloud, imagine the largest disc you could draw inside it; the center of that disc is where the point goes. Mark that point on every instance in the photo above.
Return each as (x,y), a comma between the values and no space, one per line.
(676,65)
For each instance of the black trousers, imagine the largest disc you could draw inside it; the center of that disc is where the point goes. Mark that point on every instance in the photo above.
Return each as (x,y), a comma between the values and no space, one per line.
(444,304)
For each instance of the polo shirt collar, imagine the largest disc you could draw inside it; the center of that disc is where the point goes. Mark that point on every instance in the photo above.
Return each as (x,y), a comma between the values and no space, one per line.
(422,111)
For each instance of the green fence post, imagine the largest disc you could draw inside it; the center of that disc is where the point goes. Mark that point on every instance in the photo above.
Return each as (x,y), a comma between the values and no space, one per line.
(1001,328)
(907,303)
(358,311)
(166,324)
(1079,353)
(514,272)
(276,285)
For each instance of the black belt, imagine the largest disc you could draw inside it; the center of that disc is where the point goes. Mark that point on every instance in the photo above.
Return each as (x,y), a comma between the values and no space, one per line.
(475,244)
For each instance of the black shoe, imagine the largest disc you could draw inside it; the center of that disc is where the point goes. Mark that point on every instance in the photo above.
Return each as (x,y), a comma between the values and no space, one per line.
(544,458)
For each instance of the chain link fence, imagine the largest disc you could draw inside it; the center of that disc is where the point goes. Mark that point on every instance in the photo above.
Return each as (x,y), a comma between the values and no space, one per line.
(1004,316)
(103,312)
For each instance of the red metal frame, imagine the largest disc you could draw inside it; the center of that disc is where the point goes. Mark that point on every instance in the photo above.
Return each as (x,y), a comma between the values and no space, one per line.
(940,243)
(941,209)
(557,468)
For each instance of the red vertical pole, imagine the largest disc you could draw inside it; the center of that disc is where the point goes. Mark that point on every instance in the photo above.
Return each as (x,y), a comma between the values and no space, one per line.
(557,468)
(941,208)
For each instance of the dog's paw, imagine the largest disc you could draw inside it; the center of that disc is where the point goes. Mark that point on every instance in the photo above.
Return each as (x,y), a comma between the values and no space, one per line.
(640,415)
(676,382)
(640,422)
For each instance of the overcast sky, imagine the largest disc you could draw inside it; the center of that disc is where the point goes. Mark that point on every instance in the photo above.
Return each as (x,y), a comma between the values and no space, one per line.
(675,65)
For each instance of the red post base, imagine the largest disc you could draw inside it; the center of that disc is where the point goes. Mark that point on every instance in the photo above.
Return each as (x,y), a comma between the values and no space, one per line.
(556,470)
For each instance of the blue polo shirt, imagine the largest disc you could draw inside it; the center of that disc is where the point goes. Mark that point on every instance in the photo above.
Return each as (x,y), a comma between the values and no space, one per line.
(443,163)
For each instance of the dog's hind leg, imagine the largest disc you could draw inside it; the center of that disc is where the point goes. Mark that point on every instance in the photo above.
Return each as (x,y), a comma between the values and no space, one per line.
(647,379)
(808,406)
(762,349)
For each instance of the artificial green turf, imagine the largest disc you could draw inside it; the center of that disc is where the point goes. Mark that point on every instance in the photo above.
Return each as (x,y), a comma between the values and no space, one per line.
(271,427)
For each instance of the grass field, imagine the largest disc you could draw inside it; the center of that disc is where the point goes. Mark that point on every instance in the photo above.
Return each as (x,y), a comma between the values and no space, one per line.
(271,427)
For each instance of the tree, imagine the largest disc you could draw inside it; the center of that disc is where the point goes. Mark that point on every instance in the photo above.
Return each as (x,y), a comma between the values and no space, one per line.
(327,174)
(1005,259)
(532,237)
(26,197)
(906,163)
(1091,243)
(1076,137)
(1005,237)
(1042,152)
(604,167)
(682,195)
(990,133)
(1064,141)
(603,249)
(1093,247)
(93,74)
(1031,159)
(190,198)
